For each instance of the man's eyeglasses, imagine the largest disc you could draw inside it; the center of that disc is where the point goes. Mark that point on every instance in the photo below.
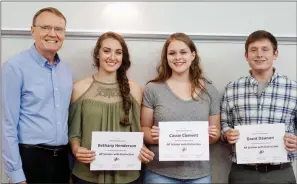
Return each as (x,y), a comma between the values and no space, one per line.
(47,29)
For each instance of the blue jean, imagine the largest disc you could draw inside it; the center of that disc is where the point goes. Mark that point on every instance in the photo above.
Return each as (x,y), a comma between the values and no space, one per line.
(151,177)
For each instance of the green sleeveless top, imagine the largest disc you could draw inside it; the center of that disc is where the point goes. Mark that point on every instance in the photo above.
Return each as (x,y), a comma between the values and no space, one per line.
(100,108)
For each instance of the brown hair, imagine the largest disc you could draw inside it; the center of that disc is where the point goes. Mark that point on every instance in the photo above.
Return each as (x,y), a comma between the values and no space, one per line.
(196,74)
(121,72)
(261,35)
(48,9)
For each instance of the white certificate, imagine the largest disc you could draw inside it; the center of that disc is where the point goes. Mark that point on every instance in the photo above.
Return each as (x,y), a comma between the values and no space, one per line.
(261,143)
(183,141)
(116,150)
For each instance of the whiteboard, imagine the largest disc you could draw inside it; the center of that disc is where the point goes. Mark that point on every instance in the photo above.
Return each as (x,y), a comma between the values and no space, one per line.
(218,18)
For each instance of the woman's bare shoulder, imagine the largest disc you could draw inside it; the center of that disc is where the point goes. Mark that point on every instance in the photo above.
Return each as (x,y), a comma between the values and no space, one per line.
(80,87)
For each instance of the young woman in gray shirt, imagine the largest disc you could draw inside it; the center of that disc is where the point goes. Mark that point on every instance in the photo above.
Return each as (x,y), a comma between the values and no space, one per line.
(180,92)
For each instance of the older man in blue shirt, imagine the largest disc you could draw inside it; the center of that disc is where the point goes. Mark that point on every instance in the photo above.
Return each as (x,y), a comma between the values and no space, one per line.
(37,91)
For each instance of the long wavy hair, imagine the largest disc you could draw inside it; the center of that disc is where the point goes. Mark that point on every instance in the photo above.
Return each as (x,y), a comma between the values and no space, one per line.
(196,74)
(121,72)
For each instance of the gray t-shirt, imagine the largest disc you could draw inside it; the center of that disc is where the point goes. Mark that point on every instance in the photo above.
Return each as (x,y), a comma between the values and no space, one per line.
(261,87)
(169,107)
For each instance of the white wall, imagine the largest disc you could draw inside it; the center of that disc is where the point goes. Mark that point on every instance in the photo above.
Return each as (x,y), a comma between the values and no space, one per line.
(223,61)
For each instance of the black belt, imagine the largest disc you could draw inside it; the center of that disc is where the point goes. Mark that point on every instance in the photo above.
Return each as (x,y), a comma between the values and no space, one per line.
(266,167)
(54,149)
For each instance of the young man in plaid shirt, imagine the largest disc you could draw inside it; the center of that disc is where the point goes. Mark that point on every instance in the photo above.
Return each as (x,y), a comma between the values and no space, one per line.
(263,97)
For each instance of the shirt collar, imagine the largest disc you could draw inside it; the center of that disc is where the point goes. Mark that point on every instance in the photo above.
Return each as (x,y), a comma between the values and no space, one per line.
(253,81)
(40,59)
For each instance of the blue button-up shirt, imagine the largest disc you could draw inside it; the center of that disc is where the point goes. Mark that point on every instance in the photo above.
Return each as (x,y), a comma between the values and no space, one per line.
(36,97)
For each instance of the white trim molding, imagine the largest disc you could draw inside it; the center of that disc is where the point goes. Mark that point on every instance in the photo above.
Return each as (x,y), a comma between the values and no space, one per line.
(77,34)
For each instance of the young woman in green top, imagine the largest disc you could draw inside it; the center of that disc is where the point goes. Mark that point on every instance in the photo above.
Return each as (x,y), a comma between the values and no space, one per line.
(105,101)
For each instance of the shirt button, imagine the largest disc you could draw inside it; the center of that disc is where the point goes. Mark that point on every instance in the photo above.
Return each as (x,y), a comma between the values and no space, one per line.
(56,89)
(57,105)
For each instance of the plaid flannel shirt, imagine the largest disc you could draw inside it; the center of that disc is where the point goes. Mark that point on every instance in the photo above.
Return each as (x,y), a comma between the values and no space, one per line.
(241,105)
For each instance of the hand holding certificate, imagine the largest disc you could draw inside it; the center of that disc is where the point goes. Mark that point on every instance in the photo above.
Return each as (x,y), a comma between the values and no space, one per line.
(261,143)
(183,141)
(116,150)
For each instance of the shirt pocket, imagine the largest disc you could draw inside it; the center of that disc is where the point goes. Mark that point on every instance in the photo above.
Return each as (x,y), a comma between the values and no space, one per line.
(37,91)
